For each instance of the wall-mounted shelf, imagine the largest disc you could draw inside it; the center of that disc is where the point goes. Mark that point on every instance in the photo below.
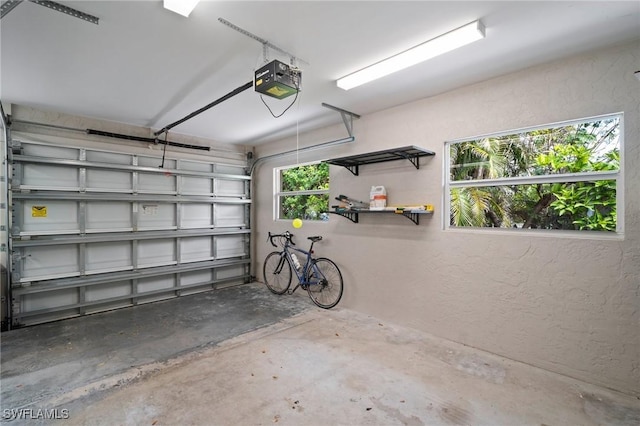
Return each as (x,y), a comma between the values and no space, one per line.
(352,215)
(353,162)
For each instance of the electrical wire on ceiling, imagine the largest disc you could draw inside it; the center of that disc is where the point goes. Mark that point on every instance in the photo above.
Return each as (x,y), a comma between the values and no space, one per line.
(287,108)
(164,150)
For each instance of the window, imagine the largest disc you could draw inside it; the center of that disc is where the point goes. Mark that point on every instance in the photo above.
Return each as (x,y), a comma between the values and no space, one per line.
(563,176)
(302,192)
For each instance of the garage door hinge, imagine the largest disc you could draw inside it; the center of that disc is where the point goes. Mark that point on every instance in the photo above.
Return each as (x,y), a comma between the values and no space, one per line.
(3,248)
(3,205)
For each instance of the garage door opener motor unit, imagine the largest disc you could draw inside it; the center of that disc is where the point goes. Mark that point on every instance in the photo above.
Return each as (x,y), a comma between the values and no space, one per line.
(277,79)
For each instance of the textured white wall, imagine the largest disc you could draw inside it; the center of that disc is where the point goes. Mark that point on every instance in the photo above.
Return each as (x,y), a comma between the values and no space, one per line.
(569,305)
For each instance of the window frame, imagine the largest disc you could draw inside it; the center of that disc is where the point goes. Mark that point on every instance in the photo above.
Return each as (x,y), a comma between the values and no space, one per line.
(617,176)
(278,193)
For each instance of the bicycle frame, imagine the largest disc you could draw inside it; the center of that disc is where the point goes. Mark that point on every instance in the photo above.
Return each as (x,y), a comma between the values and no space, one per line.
(319,276)
(315,278)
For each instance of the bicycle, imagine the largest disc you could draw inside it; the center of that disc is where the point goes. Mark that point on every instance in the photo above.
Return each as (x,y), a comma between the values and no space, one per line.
(321,277)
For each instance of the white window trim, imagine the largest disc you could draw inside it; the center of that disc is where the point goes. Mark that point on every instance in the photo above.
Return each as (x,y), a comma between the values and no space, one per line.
(618,176)
(277,185)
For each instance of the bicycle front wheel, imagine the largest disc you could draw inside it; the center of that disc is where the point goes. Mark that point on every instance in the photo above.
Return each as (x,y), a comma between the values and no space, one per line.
(277,272)
(325,283)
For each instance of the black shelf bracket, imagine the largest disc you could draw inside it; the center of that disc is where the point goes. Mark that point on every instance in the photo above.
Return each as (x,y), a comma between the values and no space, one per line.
(353,169)
(414,159)
(352,216)
(413,217)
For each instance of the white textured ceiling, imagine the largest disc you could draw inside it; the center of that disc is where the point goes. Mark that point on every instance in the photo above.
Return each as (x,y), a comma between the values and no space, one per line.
(146,66)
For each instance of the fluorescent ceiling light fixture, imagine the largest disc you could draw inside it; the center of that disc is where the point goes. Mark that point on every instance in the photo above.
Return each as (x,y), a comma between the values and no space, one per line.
(427,50)
(182,7)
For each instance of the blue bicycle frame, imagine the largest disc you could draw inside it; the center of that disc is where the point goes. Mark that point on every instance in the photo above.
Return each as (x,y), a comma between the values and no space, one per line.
(308,269)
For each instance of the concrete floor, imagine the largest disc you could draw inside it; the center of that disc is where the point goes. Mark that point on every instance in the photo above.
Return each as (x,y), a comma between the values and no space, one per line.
(242,356)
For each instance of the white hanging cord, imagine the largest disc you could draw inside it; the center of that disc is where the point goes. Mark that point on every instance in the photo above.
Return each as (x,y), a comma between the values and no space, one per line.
(298,131)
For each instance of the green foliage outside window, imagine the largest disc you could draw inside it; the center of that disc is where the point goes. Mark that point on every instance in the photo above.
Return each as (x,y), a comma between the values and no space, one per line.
(583,204)
(309,206)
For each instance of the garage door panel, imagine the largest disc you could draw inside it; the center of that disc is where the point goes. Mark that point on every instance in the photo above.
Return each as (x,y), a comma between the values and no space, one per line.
(109,157)
(229,272)
(54,178)
(156,253)
(46,217)
(108,257)
(230,246)
(155,162)
(42,263)
(50,151)
(196,277)
(112,216)
(196,186)
(109,291)
(229,169)
(101,233)
(229,188)
(152,284)
(50,300)
(156,216)
(227,215)
(109,181)
(196,249)
(196,216)
(157,183)
(196,166)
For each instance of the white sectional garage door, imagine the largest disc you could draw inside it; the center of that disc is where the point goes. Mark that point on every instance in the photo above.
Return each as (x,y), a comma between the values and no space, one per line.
(94,230)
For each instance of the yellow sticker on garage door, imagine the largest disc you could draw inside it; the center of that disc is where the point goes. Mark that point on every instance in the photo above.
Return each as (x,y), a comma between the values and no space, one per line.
(39,211)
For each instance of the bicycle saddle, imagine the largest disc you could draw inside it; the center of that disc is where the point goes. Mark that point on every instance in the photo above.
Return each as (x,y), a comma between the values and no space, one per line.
(315,238)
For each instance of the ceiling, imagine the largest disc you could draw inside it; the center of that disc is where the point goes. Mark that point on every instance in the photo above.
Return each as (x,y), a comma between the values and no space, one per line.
(147,66)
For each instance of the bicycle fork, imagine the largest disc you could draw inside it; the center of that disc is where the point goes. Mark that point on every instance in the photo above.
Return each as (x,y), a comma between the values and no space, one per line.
(283,261)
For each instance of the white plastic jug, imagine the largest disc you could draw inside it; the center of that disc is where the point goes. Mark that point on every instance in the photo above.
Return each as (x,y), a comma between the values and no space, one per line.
(377,198)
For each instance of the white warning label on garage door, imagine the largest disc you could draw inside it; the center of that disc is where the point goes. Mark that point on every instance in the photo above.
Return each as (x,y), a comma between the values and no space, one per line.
(149,209)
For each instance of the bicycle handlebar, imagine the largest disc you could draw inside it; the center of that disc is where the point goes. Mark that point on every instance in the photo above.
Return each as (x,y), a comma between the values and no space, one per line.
(287,235)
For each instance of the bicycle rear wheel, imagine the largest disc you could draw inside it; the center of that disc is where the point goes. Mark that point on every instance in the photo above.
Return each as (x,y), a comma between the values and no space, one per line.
(277,272)
(325,283)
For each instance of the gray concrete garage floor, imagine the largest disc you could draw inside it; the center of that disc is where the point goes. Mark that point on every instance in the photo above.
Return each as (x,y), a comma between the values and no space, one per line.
(278,360)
